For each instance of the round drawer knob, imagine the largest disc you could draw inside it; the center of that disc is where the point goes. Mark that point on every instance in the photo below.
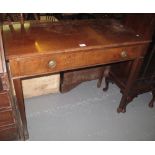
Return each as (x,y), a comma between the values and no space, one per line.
(52,64)
(124,54)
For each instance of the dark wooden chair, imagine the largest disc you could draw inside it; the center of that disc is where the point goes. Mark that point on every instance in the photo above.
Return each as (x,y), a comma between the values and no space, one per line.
(118,73)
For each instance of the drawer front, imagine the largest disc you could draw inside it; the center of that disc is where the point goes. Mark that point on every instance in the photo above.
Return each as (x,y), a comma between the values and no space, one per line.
(6,118)
(9,133)
(4,100)
(57,62)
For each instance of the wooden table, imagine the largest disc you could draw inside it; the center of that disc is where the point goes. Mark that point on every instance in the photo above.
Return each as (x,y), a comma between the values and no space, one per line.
(36,49)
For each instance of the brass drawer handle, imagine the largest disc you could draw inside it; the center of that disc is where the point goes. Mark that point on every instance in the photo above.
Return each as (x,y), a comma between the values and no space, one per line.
(52,64)
(124,54)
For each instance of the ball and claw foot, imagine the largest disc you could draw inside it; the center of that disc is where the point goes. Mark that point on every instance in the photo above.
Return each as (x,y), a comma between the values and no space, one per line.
(151,104)
(106,85)
(121,110)
(105,89)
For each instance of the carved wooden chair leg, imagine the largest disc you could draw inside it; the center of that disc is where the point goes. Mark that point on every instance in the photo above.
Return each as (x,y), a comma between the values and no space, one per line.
(107,81)
(107,78)
(123,109)
(104,73)
(151,104)
(99,82)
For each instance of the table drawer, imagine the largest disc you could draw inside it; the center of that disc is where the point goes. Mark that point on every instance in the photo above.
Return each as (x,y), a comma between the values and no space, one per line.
(9,133)
(57,62)
(6,118)
(4,100)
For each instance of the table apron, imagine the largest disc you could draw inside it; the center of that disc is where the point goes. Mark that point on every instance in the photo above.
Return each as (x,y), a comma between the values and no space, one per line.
(39,64)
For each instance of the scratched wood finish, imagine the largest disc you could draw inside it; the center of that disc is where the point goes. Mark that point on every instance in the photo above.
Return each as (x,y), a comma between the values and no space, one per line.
(39,39)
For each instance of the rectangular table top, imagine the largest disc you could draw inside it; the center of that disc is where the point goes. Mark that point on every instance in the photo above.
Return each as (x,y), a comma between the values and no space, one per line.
(45,37)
